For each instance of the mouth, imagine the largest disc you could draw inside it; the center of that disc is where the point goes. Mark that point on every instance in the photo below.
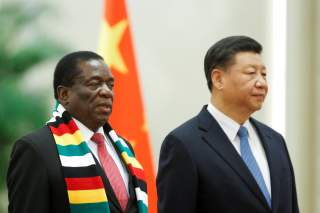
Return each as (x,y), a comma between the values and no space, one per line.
(105,107)
(259,96)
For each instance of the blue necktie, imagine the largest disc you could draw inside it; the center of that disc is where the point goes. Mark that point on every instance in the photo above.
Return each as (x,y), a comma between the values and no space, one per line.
(251,163)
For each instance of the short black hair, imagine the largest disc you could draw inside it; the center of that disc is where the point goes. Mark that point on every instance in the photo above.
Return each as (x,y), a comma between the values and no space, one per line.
(222,53)
(67,68)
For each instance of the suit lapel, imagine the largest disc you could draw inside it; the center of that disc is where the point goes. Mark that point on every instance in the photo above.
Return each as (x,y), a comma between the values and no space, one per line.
(273,158)
(215,137)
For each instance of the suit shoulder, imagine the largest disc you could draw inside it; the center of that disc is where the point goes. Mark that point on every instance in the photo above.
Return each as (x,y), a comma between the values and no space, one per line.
(38,139)
(185,129)
(37,135)
(265,127)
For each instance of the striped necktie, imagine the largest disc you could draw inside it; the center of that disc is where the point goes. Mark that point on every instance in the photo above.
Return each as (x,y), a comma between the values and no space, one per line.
(111,170)
(251,162)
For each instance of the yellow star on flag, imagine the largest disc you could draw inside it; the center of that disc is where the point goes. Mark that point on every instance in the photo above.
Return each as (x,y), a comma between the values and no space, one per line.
(145,127)
(109,45)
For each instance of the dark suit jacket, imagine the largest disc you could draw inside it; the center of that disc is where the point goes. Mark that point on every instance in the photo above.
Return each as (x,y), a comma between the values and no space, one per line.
(201,171)
(36,183)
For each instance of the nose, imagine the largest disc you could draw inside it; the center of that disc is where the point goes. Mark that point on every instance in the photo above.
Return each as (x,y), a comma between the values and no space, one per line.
(105,91)
(261,81)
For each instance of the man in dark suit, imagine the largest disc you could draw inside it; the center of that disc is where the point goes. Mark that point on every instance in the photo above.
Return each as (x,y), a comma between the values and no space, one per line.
(76,162)
(223,160)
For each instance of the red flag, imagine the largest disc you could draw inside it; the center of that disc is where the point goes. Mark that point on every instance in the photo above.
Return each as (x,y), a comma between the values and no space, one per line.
(128,116)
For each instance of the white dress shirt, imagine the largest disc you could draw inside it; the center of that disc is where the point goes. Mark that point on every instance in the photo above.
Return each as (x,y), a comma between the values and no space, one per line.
(231,127)
(87,134)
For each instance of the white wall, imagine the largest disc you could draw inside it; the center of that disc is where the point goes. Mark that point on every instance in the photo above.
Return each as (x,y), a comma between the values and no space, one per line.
(301,98)
(317,107)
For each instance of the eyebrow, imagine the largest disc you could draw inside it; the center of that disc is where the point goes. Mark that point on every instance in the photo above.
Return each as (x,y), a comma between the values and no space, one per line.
(255,66)
(97,77)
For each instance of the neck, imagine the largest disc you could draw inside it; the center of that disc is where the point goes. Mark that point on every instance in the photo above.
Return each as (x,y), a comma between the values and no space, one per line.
(234,112)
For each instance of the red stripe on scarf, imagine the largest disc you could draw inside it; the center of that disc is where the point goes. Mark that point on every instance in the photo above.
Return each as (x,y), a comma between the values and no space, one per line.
(84,183)
(137,172)
(63,128)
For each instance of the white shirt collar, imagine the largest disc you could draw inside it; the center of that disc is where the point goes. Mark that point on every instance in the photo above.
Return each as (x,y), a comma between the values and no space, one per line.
(229,126)
(85,131)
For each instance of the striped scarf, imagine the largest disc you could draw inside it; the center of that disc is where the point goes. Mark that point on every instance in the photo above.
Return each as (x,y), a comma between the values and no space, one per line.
(85,187)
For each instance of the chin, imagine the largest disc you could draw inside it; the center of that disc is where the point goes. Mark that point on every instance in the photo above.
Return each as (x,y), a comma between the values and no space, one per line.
(257,107)
(102,120)
(254,106)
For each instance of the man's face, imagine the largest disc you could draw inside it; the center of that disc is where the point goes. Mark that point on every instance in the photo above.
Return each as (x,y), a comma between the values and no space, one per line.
(91,96)
(244,83)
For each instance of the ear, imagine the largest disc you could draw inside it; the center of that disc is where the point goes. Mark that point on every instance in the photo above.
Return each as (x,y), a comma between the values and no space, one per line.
(63,93)
(217,78)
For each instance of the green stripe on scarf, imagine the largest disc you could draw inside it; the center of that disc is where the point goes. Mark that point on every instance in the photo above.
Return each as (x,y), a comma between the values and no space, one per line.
(124,149)
(73,150)
(90,208)
(142,207)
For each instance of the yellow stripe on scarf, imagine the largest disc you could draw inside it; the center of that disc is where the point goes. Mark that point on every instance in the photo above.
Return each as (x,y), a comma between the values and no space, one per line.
(87,196)
(131,160)
(69,139)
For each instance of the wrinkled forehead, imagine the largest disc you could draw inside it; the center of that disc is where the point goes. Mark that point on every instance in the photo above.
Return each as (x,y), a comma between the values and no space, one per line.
(248,58)
(92,67)
(94,62)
